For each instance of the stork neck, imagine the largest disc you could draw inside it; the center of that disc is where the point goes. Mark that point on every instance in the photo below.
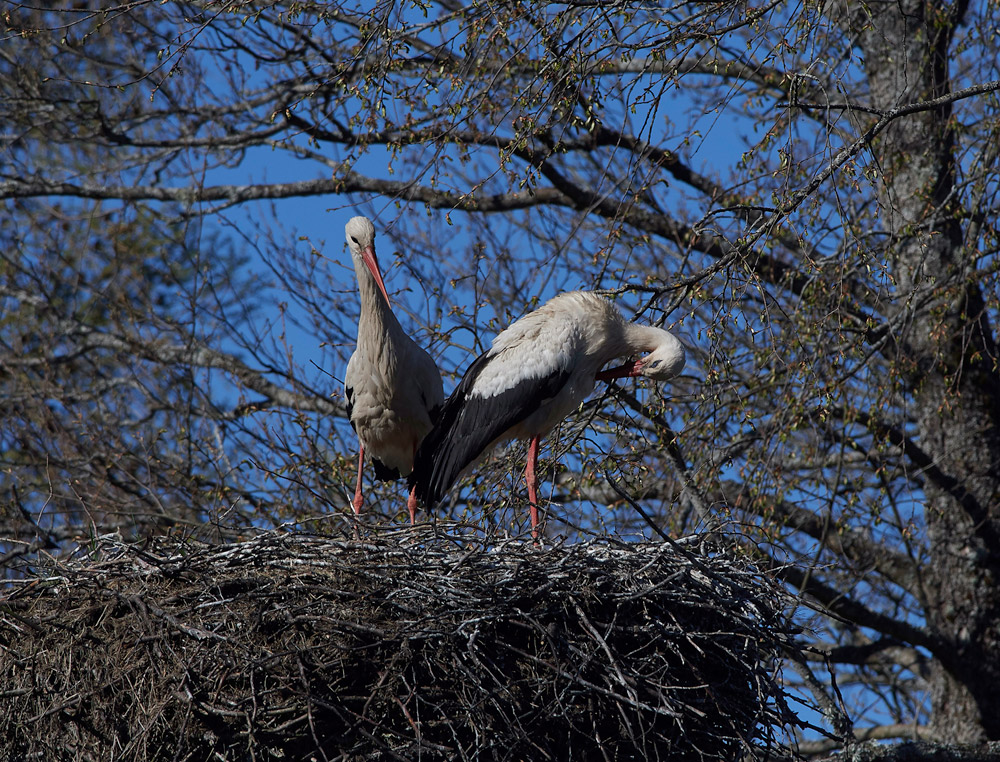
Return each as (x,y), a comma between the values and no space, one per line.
(642,338)
(374,308)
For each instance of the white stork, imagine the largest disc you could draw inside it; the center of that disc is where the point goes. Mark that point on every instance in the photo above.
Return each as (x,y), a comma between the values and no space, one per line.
(537,371)
(393,387)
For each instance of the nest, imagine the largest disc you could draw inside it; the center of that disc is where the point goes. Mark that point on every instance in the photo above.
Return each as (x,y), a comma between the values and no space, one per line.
(408,645)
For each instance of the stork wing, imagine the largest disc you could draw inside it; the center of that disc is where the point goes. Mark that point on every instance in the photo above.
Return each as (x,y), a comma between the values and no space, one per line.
(496,393)
(349,384)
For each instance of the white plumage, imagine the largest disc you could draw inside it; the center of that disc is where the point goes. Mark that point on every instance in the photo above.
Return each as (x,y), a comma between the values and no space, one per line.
(393,386)
(538,371)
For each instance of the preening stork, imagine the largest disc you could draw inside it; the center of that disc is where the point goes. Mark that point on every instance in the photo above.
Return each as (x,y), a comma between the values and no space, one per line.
(393,387)
(537,371)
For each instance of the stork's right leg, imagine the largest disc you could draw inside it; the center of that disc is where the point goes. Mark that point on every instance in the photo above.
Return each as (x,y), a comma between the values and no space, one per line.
(411,505)
(358,499)
(531,477)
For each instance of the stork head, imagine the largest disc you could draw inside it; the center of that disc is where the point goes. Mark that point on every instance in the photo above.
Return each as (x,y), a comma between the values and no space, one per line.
(665,361)
(361,240)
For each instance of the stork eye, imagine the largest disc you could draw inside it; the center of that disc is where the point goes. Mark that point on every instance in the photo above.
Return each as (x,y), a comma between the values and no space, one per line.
(655,364)
(355,240)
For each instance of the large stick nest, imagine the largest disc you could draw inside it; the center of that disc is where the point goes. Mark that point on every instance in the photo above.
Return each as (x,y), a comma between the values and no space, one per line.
(407,645)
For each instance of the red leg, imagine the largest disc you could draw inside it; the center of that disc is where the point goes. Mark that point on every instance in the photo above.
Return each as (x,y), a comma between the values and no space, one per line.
(532,478)
(357,490)
(411,504)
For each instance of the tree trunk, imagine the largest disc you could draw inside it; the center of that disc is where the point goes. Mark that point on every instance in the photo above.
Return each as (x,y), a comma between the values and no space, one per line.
(946,355)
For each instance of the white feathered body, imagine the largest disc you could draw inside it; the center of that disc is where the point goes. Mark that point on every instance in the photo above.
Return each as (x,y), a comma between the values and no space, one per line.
(393,386)
(572,336)
(537,371)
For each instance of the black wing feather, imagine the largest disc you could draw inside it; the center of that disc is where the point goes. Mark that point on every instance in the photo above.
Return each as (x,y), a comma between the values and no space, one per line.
(349,394)
(468,424)
(383,473)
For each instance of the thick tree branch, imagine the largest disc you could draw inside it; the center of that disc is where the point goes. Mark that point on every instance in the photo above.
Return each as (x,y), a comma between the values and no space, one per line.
(351,182)
(849,542)
(881,653)
(844,606)
(928,466)
(876,733)
(916,751)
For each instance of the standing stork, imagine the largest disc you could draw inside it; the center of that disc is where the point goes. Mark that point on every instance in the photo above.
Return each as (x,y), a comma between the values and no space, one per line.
(393,387)
(537,371)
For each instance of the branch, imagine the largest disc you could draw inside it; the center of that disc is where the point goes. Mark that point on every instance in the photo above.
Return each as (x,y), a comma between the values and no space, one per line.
(846,541)
(839,604)
(164,352)
(563,192)
(669,439)
(929,467)
(349,182)
(888,117)
(878,653)
(829,702)
(877,733)
(917,751)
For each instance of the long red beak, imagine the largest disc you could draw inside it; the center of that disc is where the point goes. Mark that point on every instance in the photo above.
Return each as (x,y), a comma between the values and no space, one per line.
(368,256)
(628,370)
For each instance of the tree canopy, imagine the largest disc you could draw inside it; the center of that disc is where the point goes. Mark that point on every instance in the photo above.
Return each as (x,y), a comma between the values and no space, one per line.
(806,193)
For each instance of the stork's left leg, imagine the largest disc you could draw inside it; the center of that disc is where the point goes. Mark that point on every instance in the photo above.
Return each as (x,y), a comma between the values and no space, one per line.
(411,501)
(531,477)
